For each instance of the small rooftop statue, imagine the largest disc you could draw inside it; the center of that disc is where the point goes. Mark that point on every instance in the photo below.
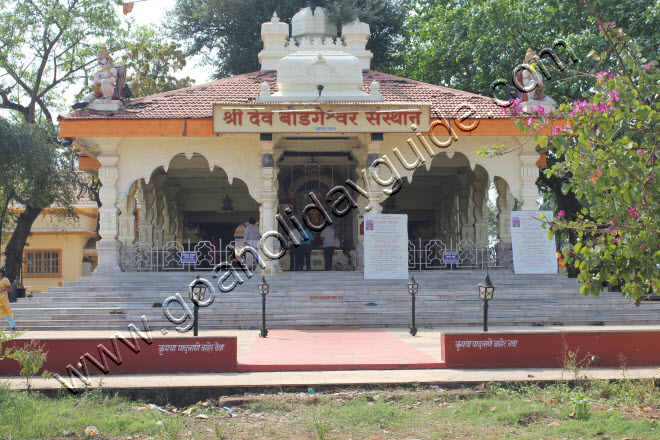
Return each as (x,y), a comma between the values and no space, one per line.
(108,81)
(532,77)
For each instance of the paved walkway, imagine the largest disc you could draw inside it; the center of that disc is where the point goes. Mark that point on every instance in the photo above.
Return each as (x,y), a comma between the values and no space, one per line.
(425,346)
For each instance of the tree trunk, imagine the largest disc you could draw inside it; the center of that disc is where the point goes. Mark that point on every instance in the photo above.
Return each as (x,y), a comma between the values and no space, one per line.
(16,244)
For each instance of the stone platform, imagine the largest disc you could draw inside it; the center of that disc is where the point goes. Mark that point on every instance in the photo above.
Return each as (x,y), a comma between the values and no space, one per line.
(330,300)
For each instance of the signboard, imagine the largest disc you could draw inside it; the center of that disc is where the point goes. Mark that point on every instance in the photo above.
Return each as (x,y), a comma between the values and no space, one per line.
(533,251)
(377,117)
(188,257)
(450,257)
(385,246)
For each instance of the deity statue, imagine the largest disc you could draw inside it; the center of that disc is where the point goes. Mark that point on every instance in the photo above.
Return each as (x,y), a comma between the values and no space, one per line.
(533,76)
(108,81)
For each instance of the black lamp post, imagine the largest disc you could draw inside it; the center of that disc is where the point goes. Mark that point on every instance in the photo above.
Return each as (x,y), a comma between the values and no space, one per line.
(486,290)
(196,292)
(412,290)
(263,291)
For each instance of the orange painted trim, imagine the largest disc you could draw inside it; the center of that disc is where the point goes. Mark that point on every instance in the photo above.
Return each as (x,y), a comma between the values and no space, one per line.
(51,211)
(73,128)
(88,163)
(88,234)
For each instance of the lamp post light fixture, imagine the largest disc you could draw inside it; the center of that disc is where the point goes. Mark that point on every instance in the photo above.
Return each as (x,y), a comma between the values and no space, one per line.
(196,291)
(486,290)
(413,287)
(263,291)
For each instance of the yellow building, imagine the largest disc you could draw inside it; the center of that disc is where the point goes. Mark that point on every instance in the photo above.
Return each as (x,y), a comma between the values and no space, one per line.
(59,249)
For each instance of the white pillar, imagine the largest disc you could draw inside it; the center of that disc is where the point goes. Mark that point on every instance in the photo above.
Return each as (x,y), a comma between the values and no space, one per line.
(268,208)
(147,208)
(480,207)
(127,220)
(529,172)
(108,246)
(505,204)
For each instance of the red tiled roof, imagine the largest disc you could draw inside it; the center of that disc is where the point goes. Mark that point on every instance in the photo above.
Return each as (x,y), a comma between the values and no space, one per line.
(197,102)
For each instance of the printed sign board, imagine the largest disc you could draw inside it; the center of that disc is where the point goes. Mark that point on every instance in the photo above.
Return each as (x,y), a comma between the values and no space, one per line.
(322,118)
(533,251)
(450,257)
(188,257)
(386,246)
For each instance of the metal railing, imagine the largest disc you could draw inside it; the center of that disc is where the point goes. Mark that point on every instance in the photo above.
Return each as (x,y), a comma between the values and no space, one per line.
(430,255)
(145,257)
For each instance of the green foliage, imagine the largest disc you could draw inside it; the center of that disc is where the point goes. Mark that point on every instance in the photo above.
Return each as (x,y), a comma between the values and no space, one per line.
(580,405)
(35,174)
(47,44)
(227,32)
(610,145)
(151,62)
(467,45)
(31,357)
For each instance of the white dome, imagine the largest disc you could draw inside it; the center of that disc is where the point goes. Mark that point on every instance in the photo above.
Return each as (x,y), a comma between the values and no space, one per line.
(310,24)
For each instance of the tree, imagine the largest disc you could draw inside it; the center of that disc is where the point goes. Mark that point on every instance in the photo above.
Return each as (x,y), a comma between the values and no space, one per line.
(45,44)
(611,150)
(151,62)
(227,32)
(35,175)
(468,45)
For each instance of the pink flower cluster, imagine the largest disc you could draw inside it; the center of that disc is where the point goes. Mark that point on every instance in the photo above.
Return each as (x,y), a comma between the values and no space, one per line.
(613,95)
(559,129)
(514,107)
(606,24)
(634,212)
(582,106)
(647,67)
(561,214)
(602,75)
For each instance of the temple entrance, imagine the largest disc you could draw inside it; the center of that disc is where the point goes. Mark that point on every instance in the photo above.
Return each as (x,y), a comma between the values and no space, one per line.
(302,173)
(188,209)
(447,213)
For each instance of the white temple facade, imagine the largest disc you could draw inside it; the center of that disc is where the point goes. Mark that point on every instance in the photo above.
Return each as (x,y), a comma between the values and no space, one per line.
(183,171)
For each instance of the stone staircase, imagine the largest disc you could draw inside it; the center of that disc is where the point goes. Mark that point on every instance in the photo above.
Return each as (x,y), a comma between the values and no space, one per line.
(325,300)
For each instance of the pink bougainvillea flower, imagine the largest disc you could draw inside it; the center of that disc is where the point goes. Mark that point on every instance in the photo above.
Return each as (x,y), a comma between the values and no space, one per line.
(561,214)
(616,240)
(614,95)
(647,67)
(634,212)
(640,151)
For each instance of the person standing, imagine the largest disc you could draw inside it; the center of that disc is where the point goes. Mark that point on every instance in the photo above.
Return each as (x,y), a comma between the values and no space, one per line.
(329,246)
(251,236)
(5,309)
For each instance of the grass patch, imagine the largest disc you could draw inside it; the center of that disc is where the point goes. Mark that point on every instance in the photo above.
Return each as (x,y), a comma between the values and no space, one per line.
(614,410)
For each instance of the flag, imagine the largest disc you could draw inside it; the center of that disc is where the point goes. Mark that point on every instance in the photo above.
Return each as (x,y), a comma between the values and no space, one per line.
(128,7)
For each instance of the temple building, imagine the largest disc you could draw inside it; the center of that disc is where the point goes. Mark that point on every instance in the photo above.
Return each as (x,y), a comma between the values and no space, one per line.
(183,171)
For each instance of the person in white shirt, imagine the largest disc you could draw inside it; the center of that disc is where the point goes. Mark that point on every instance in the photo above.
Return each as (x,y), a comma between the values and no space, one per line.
(330,244)
(251,237)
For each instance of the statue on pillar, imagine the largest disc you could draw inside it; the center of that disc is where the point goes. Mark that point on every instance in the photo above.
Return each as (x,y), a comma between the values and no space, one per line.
(108,82)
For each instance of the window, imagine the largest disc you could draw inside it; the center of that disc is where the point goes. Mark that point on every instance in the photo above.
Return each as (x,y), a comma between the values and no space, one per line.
(42,263)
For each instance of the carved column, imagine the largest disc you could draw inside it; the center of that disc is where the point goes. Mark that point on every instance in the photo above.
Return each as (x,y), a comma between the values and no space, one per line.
(268,208)
(505,204)
(127,220)
(158,219)
(529,172)
(108,246)
(147,200)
